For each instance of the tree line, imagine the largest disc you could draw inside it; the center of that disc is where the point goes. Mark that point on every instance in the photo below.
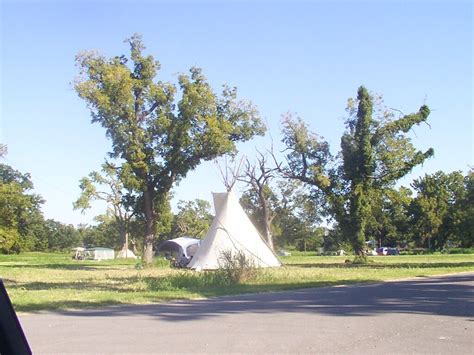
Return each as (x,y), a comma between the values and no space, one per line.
(435,213)
(24,228)
(159,131)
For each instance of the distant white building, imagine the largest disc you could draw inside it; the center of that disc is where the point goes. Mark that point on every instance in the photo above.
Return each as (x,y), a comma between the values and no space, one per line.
(100,253)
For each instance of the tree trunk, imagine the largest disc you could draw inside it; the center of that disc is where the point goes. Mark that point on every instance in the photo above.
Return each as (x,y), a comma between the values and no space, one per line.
(267,220)
(267,227)
(149,226)
(125,246)
(124,238)
(134,246)
(360,210)
(268,236)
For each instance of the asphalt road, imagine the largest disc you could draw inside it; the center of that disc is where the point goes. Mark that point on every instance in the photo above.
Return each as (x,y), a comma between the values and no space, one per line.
(425,315)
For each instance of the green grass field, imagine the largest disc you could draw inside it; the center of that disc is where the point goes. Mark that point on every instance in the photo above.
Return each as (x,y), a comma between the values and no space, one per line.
(46,281)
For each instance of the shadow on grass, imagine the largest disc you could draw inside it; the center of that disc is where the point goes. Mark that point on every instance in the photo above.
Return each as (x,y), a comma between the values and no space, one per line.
(449,296)
(159,296)
(195,285)
(376,265)
(116,285)
(65,306)
(446,295)
(67,266)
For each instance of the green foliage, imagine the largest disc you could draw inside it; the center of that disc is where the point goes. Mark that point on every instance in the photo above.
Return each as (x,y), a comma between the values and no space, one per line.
(22,225)
(193,219)
(389,223)
(235,268)
(9,240)
(375,153)
(20,215)
(61,237)
(295,214)
(105,234)
(164,225)
(460,251)
(439,209)
(250,202)
(159,134)
(295,232)
(463,215)
(108,187)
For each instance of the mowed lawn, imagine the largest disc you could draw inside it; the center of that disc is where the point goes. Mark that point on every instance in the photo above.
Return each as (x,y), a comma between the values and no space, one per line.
(47,281)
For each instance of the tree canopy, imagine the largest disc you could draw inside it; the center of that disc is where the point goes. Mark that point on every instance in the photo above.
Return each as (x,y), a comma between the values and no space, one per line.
(20,214)
(375,153)
(158,133)
(435,211)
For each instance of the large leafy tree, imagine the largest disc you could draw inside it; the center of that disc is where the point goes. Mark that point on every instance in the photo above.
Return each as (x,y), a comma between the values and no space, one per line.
(21,219)
(435,210)
(298,216)
(60,236)
(389,223)
(294,214)
(464,213)
(158,134)
(375,153)
(102,234)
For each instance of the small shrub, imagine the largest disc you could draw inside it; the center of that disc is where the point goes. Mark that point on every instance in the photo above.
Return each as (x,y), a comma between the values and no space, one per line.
(160,284)
(236,268)
(460,251)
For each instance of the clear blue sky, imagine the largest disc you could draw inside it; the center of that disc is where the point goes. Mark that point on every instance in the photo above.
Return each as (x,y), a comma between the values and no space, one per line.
(306,57)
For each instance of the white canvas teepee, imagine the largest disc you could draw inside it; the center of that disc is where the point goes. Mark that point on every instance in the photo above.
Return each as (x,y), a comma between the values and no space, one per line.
(126,254)
(231,230)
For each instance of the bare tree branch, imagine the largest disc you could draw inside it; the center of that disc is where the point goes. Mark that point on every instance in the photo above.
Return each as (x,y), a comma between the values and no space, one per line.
(229,175)
(3,150)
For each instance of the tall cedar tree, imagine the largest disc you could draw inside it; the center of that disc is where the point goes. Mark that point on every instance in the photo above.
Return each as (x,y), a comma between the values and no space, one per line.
(159,138)
(375,153)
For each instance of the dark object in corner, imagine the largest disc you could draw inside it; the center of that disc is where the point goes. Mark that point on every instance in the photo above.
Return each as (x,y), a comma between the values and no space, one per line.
(12,338)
